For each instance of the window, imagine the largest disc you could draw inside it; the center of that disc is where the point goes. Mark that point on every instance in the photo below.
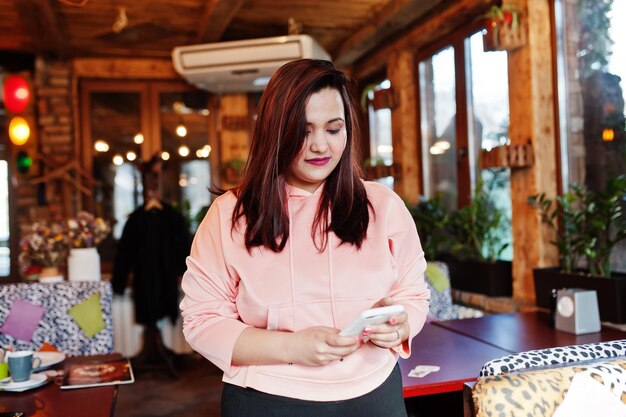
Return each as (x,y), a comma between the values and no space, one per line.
(488,125)
(464,110)
(5,258)
(591,62)
(438,121)
(379,115)
(128,123)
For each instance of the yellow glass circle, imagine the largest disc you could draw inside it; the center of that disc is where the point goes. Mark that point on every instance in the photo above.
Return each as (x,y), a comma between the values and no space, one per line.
(19,130)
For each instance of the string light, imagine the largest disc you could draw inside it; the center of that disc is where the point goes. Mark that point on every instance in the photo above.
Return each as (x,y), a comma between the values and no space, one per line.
(138,139)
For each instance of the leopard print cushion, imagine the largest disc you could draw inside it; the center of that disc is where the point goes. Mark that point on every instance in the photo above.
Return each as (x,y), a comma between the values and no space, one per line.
(612,375)
(57,327)
(538,393)
(554,356)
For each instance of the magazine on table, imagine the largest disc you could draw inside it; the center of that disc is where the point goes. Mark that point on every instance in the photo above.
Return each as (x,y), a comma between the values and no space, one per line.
(97,372)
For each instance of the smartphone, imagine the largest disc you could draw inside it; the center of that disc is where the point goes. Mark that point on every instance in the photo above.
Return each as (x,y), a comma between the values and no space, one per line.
(372,316)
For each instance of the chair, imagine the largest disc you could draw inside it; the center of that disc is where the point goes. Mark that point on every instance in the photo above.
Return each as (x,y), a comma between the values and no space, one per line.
(441,307)
(57,327)
(536,383)
(554,356)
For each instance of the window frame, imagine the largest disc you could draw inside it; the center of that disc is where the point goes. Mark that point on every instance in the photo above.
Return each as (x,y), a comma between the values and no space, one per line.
(457,40)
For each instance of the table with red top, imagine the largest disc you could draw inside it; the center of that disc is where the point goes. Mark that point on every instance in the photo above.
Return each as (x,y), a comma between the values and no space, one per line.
(51,401)
(520,332)
(459,358)
(461,347)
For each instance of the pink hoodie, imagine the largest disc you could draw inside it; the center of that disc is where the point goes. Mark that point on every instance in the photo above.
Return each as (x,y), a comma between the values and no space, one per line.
(227,289)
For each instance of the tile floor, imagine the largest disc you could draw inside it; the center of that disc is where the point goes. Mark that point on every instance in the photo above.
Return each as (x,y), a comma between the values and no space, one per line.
(155,394)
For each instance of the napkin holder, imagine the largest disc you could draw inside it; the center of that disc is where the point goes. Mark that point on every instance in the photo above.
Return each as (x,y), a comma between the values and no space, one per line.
(577,311)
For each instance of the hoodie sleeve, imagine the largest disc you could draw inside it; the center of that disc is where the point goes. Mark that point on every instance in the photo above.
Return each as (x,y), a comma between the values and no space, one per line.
(211,323)
(410,289)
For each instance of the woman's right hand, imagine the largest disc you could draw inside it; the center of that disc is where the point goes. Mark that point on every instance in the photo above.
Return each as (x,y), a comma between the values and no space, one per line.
(318,346)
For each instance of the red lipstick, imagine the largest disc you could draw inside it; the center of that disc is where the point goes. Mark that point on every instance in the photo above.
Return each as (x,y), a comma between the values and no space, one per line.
(318,161)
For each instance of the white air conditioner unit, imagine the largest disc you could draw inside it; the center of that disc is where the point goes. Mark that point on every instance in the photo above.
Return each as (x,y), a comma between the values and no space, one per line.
(241,66)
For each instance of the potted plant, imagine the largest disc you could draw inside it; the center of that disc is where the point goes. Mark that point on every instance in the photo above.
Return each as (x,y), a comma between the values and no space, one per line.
(431,221)
(588,225)
(476,245)
(503,30)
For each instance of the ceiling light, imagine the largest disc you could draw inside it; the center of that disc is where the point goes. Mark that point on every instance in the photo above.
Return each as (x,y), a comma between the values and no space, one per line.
(101,146)
(165,155)
(204,151)
(131,156)
(138,139)
(435,150)
(118,159)
(181,130)
(183,151)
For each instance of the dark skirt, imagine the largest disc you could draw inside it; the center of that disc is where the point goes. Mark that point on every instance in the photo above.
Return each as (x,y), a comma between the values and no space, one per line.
(384,401)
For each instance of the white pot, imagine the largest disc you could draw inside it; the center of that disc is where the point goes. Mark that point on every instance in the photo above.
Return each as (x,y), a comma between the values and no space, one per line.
(83,264)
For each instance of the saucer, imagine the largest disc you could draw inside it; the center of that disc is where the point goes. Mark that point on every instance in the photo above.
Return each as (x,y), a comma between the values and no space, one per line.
(48,359)
(35,381)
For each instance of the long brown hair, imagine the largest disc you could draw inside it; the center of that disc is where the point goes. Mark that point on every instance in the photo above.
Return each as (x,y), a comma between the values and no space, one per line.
(277,141)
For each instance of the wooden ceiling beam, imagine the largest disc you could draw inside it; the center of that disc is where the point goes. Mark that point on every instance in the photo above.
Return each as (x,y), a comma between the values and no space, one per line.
(10,43)
(426,30)
(43,22)
(124,68)
(394,17)
(97,50)
(217,16)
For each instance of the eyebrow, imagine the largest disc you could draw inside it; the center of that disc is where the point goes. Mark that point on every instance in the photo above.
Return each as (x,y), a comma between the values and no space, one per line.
(336,119)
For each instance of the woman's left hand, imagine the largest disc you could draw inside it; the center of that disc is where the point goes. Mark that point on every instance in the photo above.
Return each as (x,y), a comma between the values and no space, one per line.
(390,334)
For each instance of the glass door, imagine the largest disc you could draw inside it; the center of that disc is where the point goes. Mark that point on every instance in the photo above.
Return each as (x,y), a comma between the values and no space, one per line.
(115,137)
(184,123)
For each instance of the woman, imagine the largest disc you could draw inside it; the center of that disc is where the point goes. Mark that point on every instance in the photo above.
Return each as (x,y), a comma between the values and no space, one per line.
(281,264)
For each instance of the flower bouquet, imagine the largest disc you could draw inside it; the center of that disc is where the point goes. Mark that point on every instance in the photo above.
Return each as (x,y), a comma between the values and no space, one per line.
(44,247)
(86,230)
(48,244)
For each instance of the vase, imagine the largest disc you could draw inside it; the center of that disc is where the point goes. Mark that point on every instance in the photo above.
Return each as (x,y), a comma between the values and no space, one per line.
(50,274)
(83,264)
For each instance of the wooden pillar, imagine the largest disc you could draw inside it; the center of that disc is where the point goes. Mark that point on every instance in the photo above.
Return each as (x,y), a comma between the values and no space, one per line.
(235,130)
(402,73)
(531,95)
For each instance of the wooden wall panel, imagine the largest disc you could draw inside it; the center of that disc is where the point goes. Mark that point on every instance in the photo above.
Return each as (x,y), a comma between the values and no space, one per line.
(531,95)
(402,73)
